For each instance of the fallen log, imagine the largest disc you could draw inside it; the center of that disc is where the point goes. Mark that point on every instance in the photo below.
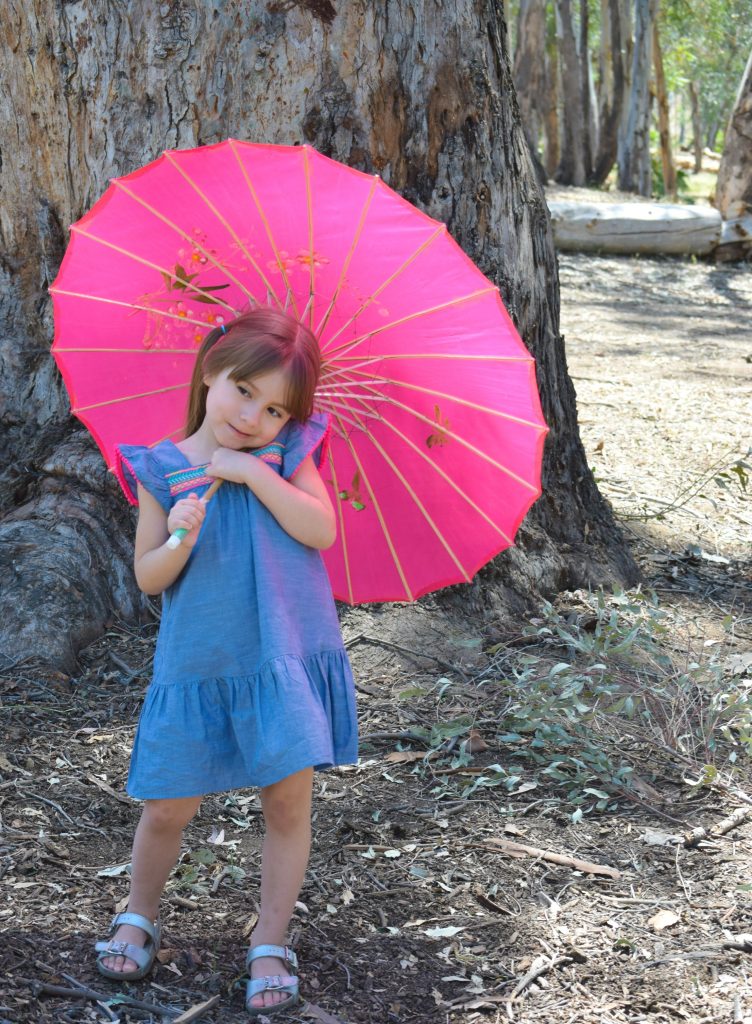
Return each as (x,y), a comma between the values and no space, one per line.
(628,228)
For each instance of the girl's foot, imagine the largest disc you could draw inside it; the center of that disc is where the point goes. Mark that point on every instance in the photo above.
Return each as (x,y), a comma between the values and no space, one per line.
(126,933)
(276,969)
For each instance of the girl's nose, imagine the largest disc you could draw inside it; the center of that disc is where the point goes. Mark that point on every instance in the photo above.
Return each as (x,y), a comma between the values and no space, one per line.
(250,413)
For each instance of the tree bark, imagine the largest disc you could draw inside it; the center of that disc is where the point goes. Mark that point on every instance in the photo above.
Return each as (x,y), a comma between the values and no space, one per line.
(664,126)
(399,88)
(572,168)
(733,196)
(633,156)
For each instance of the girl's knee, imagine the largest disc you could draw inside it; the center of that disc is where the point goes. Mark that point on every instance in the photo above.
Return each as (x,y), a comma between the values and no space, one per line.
(170,815)
(287,804)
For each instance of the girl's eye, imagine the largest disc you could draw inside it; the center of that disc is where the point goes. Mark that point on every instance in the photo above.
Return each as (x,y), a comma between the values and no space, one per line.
(275,412)
(244,391)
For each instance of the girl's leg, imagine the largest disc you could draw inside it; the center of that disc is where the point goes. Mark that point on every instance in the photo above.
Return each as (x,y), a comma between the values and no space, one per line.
(155,850)
(287,844)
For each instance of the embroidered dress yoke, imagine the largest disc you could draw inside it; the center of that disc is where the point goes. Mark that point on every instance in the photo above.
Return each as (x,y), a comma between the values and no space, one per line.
(251,679)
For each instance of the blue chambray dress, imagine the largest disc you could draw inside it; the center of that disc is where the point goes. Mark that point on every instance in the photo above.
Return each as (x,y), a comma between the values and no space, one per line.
(251,679)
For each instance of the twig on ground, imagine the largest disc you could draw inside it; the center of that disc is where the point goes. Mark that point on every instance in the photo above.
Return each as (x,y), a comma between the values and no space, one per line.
(194,1012)
(522,850)
(720,828)
(43,988)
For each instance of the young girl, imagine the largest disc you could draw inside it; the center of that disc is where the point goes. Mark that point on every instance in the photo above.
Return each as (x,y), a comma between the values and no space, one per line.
(252,685)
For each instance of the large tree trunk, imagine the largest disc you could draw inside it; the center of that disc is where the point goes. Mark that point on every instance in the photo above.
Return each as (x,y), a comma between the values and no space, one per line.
(633,156)
(401,88)
(733,196)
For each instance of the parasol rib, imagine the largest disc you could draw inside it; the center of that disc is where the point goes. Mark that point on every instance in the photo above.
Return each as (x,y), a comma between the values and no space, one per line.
(464,401)
(131,398)
(311,260)
(347,346)
(191,239)
(147,263)
(348,257)
(379,515)
(342,531)
(136,308)
(466,444)
(440,230)
(267,228)
(416,500)
(434,465)
(447,479)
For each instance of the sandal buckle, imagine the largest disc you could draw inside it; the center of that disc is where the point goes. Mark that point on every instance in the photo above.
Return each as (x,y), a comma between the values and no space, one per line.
(116,946)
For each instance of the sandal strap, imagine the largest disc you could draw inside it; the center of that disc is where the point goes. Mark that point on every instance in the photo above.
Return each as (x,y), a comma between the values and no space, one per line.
(151,928)
(272,983)
(284,953)
(138,954)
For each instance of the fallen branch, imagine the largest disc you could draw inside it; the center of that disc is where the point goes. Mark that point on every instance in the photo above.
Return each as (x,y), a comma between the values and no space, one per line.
(719,829)
(42,988)
(521,850)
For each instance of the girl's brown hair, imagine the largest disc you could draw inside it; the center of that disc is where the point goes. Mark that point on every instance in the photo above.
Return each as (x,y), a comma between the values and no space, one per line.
(258,342)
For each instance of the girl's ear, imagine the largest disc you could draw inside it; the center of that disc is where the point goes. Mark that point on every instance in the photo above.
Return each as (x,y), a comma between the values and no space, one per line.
(208,379)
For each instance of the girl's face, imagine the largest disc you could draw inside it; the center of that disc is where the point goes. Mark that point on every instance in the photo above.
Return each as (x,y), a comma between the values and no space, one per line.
(245,413)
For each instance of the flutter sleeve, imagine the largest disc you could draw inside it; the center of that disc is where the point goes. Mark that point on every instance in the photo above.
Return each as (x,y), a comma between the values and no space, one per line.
(309,438)
(135,465)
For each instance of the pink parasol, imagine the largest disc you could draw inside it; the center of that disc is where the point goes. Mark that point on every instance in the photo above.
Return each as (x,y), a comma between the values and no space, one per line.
(437,430)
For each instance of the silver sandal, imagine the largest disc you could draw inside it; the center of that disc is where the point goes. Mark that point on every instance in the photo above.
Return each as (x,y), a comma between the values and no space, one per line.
(272,982)
(142,955)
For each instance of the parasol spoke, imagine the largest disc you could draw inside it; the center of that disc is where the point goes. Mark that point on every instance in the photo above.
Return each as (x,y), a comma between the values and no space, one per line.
(379,515)
(267,229)
(186,236)
(367,360)
(347,346)
(434,465)
(136,308)
(338,410)
(348,257)
(131,398)
(461,440)
(312,263)
(342,531)
(426,515)
(216,300)
(440,230)
(464,401)
(447,479)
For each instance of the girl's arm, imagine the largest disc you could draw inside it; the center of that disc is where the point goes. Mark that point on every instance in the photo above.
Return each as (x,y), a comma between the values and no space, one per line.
(301,506)
(157,566)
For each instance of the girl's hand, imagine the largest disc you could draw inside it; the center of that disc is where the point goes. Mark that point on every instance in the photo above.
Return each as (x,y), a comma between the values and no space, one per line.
(187,514)
(230,465)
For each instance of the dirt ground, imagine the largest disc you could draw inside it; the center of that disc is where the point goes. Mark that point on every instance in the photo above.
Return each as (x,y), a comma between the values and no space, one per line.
(413,909)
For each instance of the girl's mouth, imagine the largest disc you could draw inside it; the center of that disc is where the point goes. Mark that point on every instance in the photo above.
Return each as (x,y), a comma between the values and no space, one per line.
(240,433)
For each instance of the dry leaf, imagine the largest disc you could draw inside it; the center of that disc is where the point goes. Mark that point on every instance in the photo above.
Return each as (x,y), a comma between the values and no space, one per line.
(443,933)
(475,742)
(663,919)
(405,756)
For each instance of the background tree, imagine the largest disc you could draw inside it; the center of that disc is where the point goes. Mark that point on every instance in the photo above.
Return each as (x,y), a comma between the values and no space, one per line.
(401,88)
(633,155)
(733,195)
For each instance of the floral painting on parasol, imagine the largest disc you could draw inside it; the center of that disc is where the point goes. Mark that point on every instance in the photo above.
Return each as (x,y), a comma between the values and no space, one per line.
(437,429)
